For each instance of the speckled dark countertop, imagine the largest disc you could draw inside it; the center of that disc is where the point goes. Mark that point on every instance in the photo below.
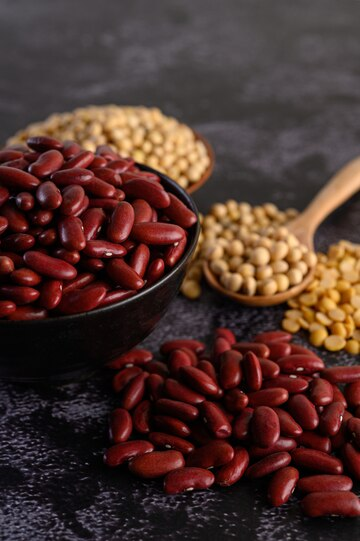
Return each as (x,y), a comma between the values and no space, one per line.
(275,86)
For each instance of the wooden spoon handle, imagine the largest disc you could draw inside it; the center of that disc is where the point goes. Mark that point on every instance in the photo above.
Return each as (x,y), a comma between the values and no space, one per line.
(344,184)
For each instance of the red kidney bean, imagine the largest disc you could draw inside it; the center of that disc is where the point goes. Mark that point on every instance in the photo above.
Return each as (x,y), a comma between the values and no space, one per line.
(230,370)
(273,336)
(303,411)
(342,374)
(81,300)
(252,371)
(49,266)
(155,386)
(187,479)
(18,242)
(141,416)
(119,165)
(305,364)
(157,367)
(170,345)
(198,380)
(282,485)
(338,396)
(16,221)
(50,294)
(213,454)
(142,211)
(261,350)
(116,295)
(133,392)
(179,213)
(173,253)
(103,249)
(3,224)
(108,175)
(269,369)
(331,419)
(47,237)
(48,195)
(7,308)
(268,397)
(25,201)
(321,504)
(351,458)
(152,192)
(92,220)
(317,460)
(122,452)
(169,441)
(341,437)
(321,392)
(352,394)
(76,175)
(325,483)
(9,154)
(27,313)
(175,408)
(288,426)
(171,425)
(72,200)
(108,205)
(70,149)
(353,428)
(25,277)
(6,265)
(268,464)
(265,426)
(41,217)
(120,425)
(121,222)
(140,259)
(235,400)
(4,195)
(193,357)
(221,345)
(130,358)
(82,159)
(121,379)
(215,419)
(71,233)
(19,294)
(98,163)
(177,359)
(15,258)
(16,179)
(157,233)
(155,271)
(314,441)
(156,464)
(124,275)
(47,163)
(225,333)
(241,425)
(43,143)
(20,164)
(233,471)
(92,264)
(291,383)
(99,188)
(278,350)
(282,444)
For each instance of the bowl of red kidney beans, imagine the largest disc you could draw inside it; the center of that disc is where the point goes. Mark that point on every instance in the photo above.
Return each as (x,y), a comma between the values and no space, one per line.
(93,247)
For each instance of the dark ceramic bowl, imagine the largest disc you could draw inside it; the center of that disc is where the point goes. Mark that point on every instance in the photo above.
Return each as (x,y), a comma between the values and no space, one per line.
(61,349)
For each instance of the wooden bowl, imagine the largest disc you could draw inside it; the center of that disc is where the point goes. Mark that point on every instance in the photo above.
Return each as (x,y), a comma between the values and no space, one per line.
(193,187)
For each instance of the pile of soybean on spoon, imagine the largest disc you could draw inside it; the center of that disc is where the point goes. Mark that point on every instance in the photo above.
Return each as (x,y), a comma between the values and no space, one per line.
(265,408)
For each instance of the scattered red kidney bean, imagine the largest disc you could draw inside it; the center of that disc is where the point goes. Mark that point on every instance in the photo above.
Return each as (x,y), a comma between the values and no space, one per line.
(62,209)
(198,407)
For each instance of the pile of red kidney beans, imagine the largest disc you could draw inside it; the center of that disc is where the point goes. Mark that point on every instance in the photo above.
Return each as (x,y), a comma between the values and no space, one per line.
(81,230)
(265,408)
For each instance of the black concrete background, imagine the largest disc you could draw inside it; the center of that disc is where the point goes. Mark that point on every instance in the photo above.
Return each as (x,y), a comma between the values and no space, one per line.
(275,88)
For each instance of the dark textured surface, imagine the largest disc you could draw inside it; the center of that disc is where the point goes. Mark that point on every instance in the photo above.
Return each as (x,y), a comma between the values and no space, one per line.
(275,88)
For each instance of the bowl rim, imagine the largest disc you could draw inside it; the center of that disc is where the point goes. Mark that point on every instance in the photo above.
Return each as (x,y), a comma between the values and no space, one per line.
(73,318)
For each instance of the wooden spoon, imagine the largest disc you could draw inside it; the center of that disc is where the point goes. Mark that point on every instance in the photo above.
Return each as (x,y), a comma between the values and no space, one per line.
(339,189)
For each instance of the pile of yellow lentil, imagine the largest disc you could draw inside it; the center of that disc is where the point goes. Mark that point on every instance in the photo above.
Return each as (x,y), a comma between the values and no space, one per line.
(249,250)
(145,134)
(329,309)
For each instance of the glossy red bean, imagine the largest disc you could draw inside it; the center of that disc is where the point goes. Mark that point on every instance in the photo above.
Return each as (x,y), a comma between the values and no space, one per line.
(138,356)
(16,179)
(156,464)
(108,175)
(342,374)
(261,350)
(49,266)
(122,452)
(16,221)
(306,364)
(6,265)
(72,200)
(92,220)
(47,163)
(282,445)
(3,224)
(81,300)
(171,425)
(155,271)
(268,464)
(325,483)
(187,479)
(288,426)
(157,233)
(321,504)
(152,192)
(172,254)
(235,400)
(7,308)
(351,459)
(116,295)
(282,485)
(15,258)
(252,371)
(331,419)
(25,277)
(9,154)
(175,408)
(19,294)
(25,201)
(27,313)
(124,275)
(81,159)
(211,455)
(221,345)
(121,222)
(241,424)
(48,195)
(177,359)
(179,213)
(119,165)
(103,249)
(352,394)
(142,211)
(265,426)
(194,345)
(269,369)
(315,441)
(303,411)
(163,440)
(338,395)
(141,416)
(50,294)
(225,333)
(120,425)
(140,258)
(273,336)
(70,149)
(293,384)
(133,392)
(157,367)
(342,436)
(232,472)
(268,397)
(18,242)
(71,233)
(230,371)
(215,420)
(155,386)
(47,237)
(76,175)
(43,143)
(321,392)
(353,429)
(4,195)
(198,380)
(317,460)
(278,350)
(122,378)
